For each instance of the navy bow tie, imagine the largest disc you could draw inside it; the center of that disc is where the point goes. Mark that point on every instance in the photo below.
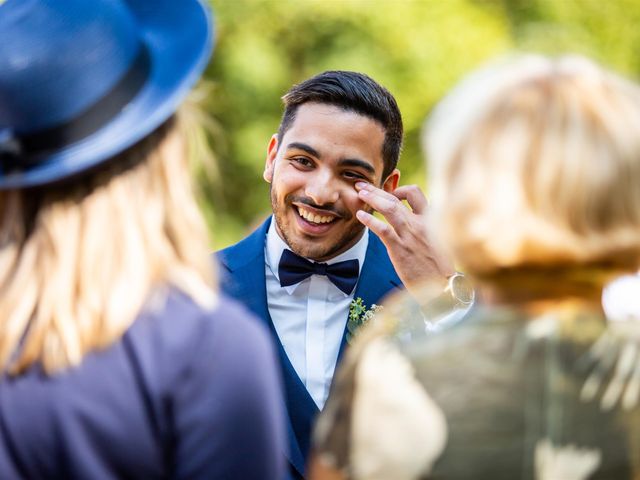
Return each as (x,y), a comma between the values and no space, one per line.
(293,269)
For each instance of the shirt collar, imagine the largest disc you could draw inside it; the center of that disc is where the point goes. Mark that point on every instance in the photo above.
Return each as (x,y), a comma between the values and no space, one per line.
(274,246)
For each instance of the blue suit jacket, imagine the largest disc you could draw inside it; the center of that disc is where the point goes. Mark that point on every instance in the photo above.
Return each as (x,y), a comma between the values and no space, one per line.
(243,277)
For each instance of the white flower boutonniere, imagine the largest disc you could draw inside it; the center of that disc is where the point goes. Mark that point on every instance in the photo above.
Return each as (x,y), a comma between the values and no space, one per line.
(359,315)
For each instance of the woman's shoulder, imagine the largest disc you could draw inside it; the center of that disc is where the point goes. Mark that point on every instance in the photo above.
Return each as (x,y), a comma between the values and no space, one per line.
(173,333)
(179,319)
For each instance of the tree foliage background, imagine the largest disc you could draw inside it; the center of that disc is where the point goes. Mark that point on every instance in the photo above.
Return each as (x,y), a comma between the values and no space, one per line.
(418,49)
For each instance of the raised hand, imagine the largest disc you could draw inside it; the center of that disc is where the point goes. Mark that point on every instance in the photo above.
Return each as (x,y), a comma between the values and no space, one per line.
(406,234)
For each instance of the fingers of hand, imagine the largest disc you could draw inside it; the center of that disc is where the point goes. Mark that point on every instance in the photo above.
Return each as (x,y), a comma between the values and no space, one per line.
(387,204)
(377,226)
(414,197)
(375,194)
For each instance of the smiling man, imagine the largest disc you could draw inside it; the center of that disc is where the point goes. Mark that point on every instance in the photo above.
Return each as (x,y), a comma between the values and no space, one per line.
(313,164)
(332,161)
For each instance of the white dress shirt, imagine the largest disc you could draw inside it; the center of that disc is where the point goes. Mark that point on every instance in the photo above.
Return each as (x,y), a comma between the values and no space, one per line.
(309,317)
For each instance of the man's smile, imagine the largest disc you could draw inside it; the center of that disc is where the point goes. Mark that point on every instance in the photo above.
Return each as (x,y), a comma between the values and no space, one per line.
(310,217)
(313,221)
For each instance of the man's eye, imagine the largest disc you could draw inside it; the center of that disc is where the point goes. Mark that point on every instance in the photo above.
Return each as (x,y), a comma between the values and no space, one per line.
(302,161)
(355,176)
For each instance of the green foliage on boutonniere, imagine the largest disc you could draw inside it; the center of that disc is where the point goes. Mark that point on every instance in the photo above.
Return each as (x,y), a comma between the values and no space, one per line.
(359,315)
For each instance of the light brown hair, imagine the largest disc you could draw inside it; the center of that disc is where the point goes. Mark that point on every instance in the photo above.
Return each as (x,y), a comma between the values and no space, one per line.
(79,260)
(536,162)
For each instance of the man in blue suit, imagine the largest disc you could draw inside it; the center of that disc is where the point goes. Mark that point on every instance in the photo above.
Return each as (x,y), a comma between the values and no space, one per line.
(332,161)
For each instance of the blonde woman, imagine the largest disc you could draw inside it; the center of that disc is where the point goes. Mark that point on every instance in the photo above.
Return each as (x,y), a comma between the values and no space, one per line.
(118,357)
(535,167)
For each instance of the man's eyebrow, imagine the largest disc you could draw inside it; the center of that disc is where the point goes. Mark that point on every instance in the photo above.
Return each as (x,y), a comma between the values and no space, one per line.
(356,162)
(304,147)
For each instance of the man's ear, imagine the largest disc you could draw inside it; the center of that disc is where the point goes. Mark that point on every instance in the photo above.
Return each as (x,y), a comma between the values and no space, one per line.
(391,182)
(272,151)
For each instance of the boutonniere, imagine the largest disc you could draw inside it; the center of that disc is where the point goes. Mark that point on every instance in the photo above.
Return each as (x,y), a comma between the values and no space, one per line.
(359,315)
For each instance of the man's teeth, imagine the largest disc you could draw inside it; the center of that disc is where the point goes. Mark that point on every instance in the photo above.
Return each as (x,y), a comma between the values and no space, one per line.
(310,217)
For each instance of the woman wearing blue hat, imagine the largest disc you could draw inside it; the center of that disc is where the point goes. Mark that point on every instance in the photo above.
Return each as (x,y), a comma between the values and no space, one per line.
(119,359)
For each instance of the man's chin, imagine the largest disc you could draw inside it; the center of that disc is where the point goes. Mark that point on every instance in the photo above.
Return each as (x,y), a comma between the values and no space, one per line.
(321,252)
(319,248)
(312,252)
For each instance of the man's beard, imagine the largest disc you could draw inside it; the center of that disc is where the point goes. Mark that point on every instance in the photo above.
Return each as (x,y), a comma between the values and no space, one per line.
(309,249)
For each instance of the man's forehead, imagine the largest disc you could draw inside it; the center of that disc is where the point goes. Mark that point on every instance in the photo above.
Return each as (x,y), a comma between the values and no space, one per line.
(326,128)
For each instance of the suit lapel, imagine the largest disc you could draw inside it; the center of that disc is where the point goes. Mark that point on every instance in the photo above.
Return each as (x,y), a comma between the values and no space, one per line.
(243,274)
(377,279)
(244,279)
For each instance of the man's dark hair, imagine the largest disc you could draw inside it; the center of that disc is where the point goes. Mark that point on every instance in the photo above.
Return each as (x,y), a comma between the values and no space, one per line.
(354,92)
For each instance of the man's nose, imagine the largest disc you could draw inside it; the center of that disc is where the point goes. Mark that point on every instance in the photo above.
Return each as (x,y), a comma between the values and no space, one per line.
(322,189)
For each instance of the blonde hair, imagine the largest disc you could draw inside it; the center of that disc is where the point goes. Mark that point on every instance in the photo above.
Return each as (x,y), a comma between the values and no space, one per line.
(536,162)
(79,261)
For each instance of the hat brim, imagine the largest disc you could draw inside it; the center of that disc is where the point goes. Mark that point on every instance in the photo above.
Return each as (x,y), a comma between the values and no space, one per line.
(178,36)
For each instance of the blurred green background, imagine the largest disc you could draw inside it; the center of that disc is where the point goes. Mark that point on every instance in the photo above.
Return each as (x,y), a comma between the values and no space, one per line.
(416,48)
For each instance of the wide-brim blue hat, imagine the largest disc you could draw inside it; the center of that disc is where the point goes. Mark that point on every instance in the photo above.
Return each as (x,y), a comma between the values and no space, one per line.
(81,81)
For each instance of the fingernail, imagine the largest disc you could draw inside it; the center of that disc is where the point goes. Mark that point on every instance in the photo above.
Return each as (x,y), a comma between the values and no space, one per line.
(362,185)
(363,193)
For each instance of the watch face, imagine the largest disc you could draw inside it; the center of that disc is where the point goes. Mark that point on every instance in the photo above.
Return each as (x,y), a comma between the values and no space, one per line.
(461,289)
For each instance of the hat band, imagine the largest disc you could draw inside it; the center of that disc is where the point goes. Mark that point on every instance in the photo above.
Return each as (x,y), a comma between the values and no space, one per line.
(19,152)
